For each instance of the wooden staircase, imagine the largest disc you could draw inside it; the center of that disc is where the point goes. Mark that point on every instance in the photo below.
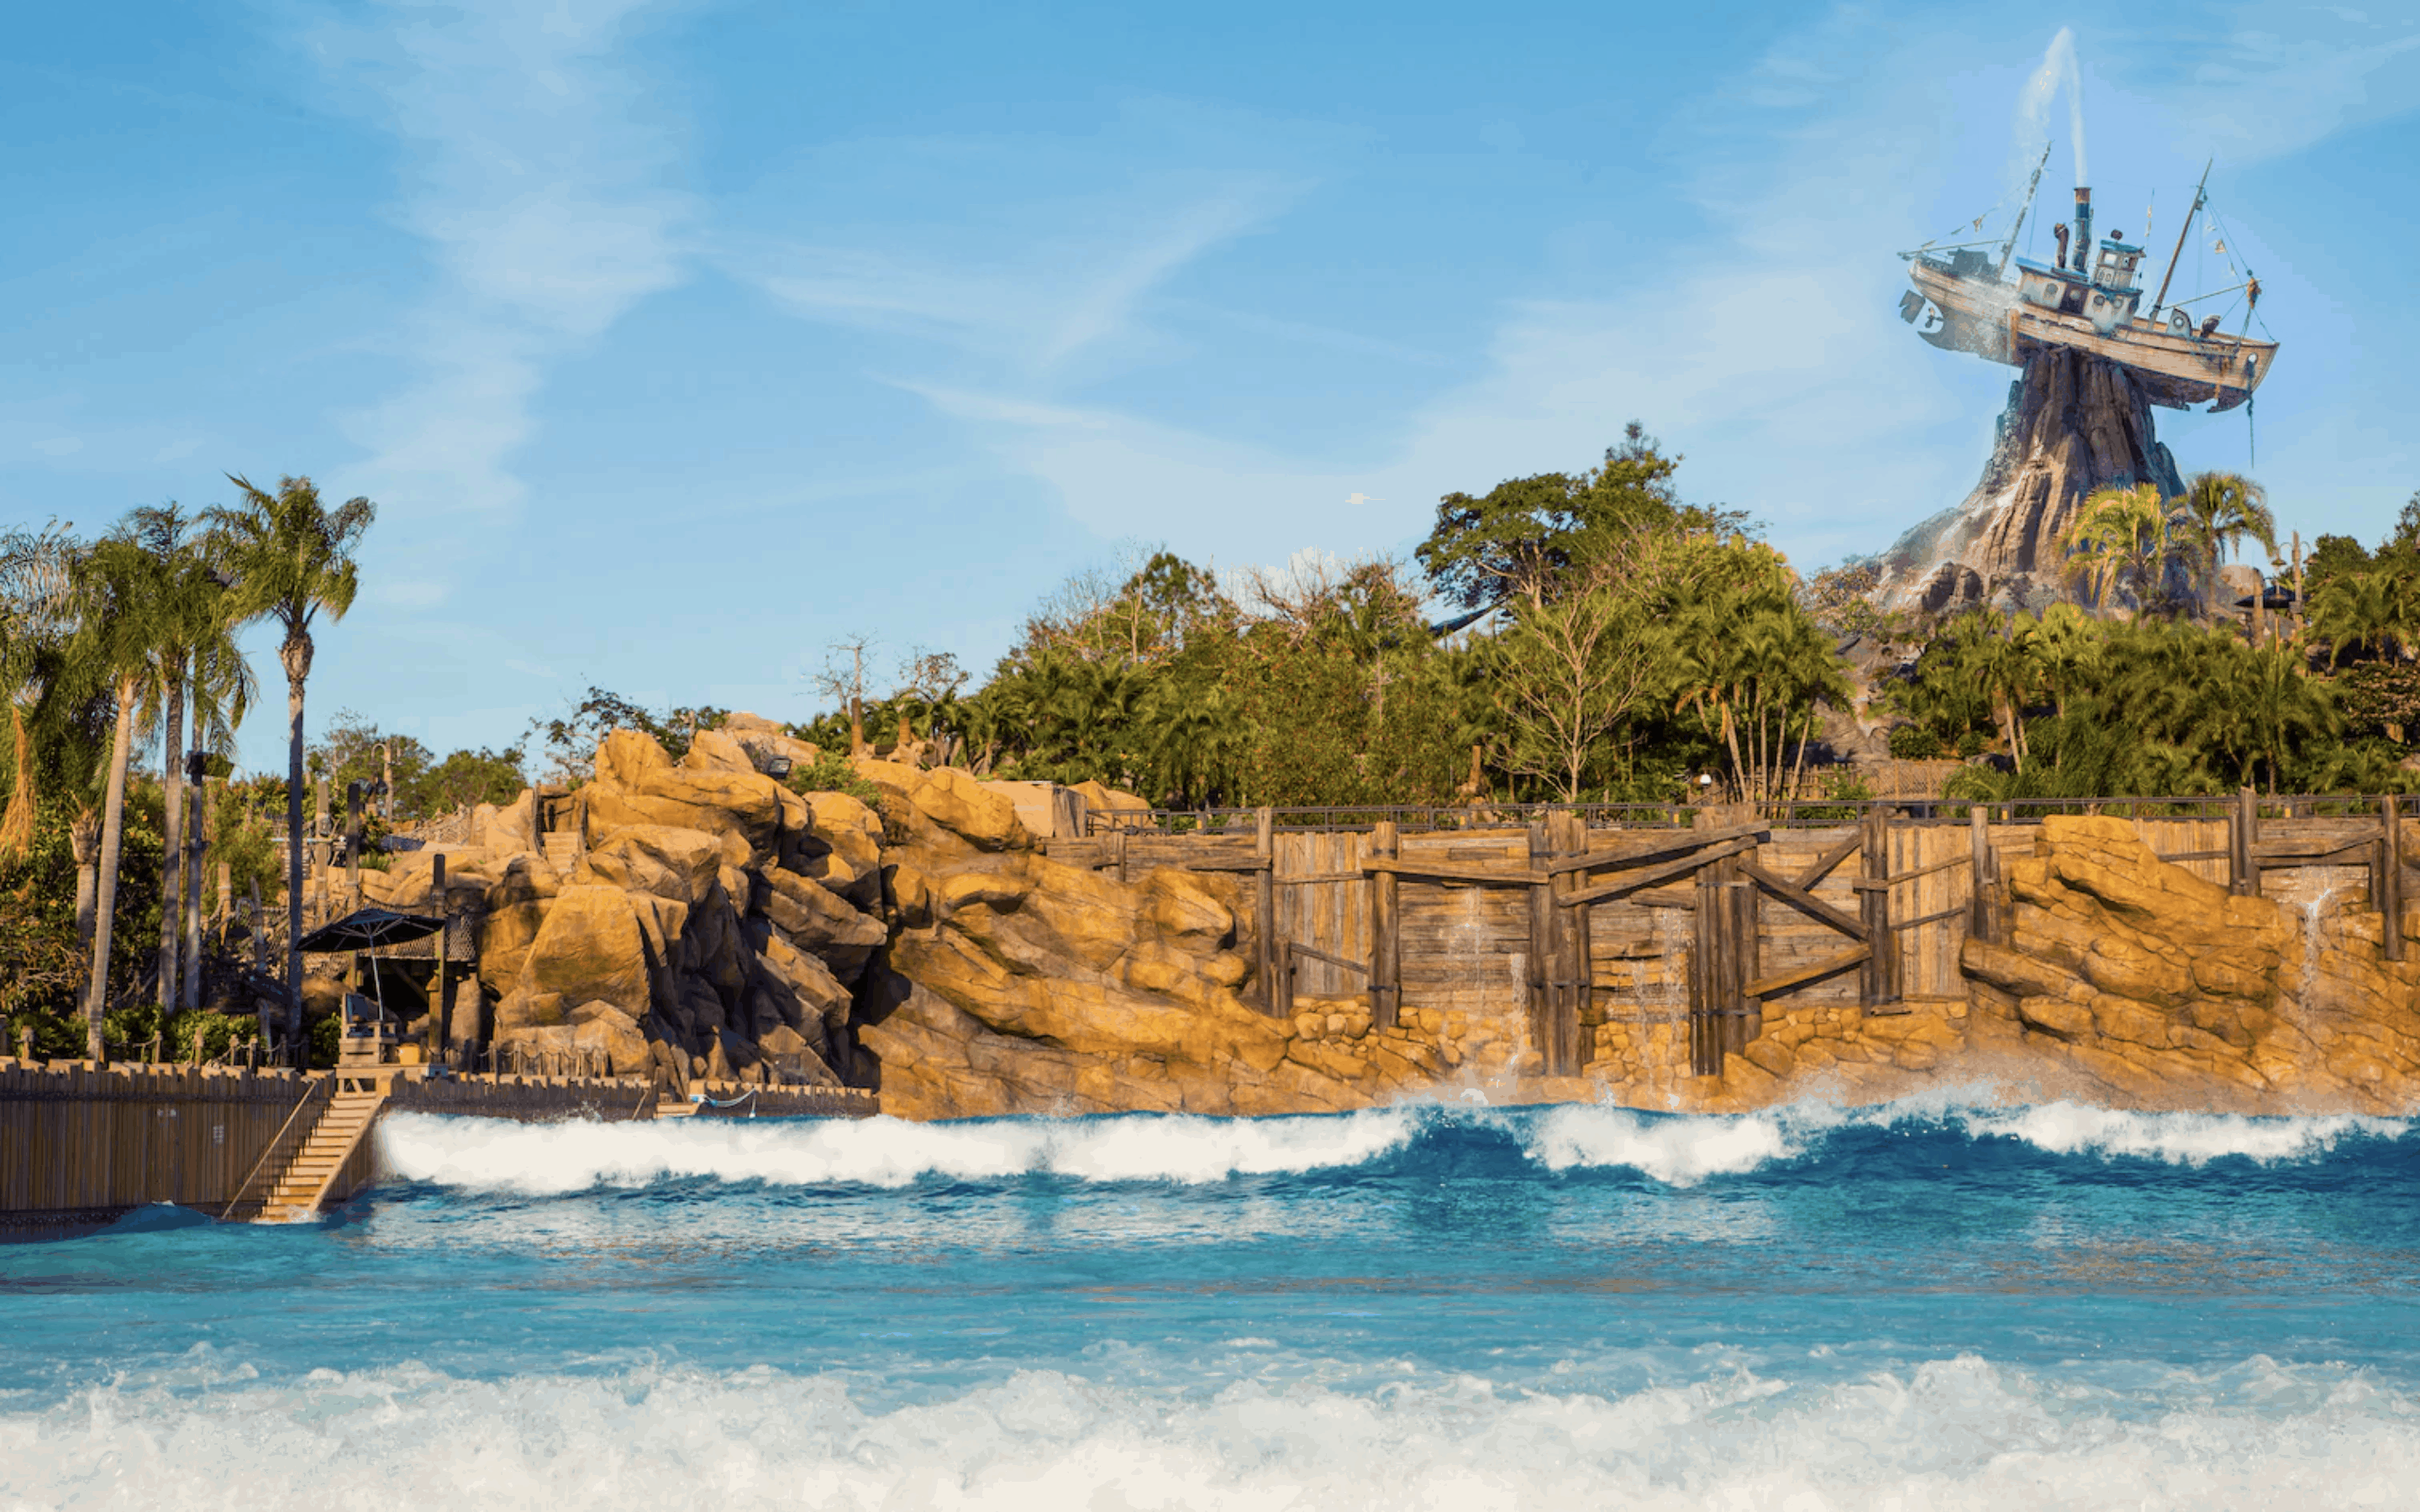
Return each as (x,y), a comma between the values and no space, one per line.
(296,1192)
(561,850)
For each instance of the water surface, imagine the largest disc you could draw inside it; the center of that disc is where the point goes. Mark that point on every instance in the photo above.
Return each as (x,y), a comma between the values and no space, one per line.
(1922,1305)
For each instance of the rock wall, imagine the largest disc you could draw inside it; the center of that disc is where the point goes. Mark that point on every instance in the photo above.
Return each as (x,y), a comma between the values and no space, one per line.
(2075,424)
(721,925)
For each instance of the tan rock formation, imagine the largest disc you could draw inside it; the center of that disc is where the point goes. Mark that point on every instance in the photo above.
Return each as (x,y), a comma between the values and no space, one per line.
(931,950)
(946,802)
(819,921)
(2168,989)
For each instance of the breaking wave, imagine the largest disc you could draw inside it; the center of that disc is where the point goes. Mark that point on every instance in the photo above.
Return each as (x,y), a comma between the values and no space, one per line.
(1951,1433)
(1677,1150)
(880,1152)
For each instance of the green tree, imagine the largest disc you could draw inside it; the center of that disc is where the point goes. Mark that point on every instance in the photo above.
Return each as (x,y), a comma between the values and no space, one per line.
(196,663)
(123,615)
(1540,528)
(464,778)
(2374,609)
(291,559)
(1574,667)
(38,587)
(1752,666)
(2120,537)
(2216,513)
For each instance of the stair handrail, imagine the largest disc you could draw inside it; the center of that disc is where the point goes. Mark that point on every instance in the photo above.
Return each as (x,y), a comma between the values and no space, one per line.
(322,1089)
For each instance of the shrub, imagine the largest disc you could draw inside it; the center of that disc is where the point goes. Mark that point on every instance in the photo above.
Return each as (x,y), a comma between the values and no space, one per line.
(1914,742)
(831,772)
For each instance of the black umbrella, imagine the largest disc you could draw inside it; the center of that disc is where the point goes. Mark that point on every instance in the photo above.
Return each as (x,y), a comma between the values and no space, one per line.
(367,929)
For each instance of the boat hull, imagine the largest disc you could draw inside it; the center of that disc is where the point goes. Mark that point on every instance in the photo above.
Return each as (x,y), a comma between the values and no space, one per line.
(1986,318)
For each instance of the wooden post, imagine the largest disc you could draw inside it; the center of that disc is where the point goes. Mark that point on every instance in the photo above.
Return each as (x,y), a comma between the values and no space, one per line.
(353,846)
(1068,817)
(2390,876)
(2247,834)
(1282,990)
(1705,1048)
(1893,989)
(259,946)
(2298,586)
(1541,963)
(441,1000)
(1880,981)
(1385,931)
(1118,847)
(1708,974)
(1870,865)
(1744,1019)
(1567,955)
(1982,873)
(1265,899)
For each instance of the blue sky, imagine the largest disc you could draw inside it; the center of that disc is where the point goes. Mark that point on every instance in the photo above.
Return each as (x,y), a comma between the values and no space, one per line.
(674,342)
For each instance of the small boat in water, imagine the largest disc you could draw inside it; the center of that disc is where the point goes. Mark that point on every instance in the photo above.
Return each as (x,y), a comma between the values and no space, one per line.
(1965,300)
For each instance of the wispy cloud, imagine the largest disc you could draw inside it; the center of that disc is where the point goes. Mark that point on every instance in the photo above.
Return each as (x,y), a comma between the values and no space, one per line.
(1740,343)
(1763,346)
(1036,311)
(534,168)
(2266,80)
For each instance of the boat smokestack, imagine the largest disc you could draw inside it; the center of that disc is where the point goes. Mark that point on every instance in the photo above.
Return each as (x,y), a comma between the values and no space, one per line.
(2080,258)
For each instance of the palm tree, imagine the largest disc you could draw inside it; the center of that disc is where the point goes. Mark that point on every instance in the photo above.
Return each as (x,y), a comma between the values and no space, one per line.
(2005,668)
(195,661)
(2378,610)
(36,613)
(2119,535)
(290,558)
(2218,510)
(120,614)
(2067,648)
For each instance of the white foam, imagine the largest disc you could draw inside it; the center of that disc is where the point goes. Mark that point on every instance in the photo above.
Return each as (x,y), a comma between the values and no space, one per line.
(2178,1138)
(1676,1150)
(485,1154)
(1950,1434)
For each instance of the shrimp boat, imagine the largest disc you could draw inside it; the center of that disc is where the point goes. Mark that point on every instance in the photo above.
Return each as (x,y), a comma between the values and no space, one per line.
(2086,299)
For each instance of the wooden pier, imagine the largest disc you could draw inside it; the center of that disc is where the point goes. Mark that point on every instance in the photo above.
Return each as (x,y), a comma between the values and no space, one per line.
(82,1145)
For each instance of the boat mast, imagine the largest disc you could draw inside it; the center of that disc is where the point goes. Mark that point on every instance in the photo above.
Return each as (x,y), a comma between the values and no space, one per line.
(2009,246)
(2183,231)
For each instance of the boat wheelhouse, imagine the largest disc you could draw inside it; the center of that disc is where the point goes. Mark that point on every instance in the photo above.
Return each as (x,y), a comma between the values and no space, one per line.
(2088,299)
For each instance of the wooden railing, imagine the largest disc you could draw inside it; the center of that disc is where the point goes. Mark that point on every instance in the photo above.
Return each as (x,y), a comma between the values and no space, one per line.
(253,1193)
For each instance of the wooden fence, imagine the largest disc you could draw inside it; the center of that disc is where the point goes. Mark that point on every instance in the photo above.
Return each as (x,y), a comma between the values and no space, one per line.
(82,1142)
(1593,914)
(527,1099)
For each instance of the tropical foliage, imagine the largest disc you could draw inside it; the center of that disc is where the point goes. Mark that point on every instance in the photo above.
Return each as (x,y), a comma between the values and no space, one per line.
(1602,638)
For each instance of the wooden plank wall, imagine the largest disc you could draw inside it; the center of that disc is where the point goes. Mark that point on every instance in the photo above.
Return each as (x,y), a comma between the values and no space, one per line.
(77,1136)
(1333,917)
(1467,947)
(1928,953)
(2182,837)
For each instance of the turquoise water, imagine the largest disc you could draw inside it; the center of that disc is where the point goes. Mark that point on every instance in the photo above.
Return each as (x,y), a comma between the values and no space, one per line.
(1918,1306)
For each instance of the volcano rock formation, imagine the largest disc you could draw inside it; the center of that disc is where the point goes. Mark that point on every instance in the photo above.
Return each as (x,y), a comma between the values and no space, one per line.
(2075,424)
